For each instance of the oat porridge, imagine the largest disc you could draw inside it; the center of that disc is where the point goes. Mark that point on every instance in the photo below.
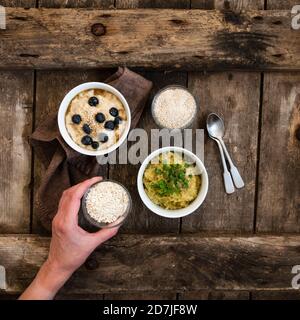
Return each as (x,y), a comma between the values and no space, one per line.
(95,119)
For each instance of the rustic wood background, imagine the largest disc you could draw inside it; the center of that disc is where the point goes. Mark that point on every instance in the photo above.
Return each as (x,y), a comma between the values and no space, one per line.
(236,247)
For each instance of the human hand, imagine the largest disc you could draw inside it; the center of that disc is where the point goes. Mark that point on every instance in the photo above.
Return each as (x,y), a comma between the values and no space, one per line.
(70,245)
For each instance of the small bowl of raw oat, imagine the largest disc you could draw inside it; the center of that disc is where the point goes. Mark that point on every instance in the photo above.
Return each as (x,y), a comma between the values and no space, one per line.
(172,182)
(174,107)
(94,118)
(106,204)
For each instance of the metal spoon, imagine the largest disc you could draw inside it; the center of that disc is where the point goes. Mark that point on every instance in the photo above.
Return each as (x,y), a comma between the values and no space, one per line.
(215,127)
(229,187)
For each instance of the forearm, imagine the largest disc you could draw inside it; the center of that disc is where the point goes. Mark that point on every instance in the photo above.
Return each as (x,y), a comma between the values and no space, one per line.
(46,283)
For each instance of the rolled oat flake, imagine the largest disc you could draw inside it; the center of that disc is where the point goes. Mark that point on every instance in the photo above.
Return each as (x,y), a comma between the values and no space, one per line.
(106,202)
(174,108)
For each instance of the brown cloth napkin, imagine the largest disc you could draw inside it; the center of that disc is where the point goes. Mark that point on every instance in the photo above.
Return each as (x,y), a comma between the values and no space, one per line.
(66,167)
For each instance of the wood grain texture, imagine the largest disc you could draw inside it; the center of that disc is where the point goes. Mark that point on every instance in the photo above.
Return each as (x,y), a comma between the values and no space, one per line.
(235,97)
(255,40)
(52,86)
(130,263)
(100,4)
(166,263)
(281,4)
(214,295)
(9,296)
(61,296)
(234,5)
(141,296)
(131,4)
(203,4)
(279,188)
(276,295)
(18,3)
(280,157)
(16,101)
(228,213)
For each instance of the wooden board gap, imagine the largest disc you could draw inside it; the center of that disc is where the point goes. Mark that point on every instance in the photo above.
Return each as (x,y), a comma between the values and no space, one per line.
(258,150)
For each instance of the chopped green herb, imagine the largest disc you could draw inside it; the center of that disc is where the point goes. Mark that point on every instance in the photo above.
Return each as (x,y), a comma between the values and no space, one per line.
(173,179)
(157,171)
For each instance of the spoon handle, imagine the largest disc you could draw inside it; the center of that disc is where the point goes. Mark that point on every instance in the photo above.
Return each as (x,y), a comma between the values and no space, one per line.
(229,187)
(238,181)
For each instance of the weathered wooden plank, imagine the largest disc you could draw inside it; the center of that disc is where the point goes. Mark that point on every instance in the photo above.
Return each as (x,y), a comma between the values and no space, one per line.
(279,163)
(166,263)
(281,4)
(231,217)
(16,104)
(61,296)
(279,189)
(276,295)
(218,220)
(18,3)
(44,38)
(141,296)
(16,101)
(214,295)
(203,4)
(52,86)
(268,219)
(234,5)
(8,297)
(101,4)
(235,96)
(131,4)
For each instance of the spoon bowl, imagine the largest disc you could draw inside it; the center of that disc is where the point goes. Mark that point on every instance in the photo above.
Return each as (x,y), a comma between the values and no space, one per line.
(215,126)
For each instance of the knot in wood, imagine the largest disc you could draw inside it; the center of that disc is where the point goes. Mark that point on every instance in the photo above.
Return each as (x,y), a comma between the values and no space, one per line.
(98,29)
(91,264)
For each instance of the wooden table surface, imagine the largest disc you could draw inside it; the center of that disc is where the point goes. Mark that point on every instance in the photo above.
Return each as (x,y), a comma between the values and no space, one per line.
(240,246)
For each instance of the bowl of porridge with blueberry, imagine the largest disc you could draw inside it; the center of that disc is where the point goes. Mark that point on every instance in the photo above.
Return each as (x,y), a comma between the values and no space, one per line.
(94,118)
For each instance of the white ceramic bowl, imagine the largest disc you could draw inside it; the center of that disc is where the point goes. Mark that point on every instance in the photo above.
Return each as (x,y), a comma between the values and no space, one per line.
(179,212)
(64,106)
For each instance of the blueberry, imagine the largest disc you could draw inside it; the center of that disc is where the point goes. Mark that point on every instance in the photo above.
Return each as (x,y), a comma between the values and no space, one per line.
(76,118)
(100,117)
(93,101)
(95,145)
(86,140)
(86,129)
(109,125)
(114,111)
(103,137)
(117,120)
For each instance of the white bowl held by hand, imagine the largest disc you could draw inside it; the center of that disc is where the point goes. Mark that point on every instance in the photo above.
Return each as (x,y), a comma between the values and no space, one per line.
(178,213)
(65,104)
